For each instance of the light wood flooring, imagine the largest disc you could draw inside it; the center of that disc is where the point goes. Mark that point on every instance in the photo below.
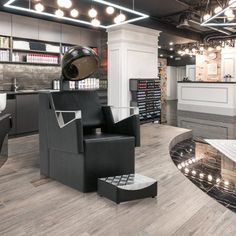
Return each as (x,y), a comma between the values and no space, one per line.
(30,206)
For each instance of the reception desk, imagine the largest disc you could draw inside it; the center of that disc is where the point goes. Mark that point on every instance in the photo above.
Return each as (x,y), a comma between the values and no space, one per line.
(208,97)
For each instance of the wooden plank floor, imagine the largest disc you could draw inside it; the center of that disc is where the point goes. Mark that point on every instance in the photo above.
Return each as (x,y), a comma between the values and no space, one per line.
(29,206)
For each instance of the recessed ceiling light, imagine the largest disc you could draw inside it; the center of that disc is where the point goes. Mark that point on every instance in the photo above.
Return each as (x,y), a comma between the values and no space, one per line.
(159,47)
(74,13)
(92,13)
(95,22)
(171,43)
(39,7)
(171,49)
(110,10)
(171,56)
(59,13)
(161,55)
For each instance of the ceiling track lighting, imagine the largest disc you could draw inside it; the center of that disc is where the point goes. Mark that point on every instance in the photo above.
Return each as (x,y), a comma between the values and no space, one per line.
(73,13)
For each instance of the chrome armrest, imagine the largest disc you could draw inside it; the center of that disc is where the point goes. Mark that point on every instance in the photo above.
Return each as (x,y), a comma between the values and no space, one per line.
(60,119)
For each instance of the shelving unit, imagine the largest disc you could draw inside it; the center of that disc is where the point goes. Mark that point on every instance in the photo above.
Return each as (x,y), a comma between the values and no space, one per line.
(146,95)
(4,49)
(15,50)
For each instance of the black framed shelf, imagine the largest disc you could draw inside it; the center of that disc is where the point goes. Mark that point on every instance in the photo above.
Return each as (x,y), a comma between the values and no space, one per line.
(28,63)
(146,95)
(35,51)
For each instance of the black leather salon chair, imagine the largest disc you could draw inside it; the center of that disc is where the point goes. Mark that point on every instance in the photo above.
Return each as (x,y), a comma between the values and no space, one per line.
(80,141)
(5,126)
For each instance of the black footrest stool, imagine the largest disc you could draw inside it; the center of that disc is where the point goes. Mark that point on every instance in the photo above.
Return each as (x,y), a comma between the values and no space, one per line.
(127,187)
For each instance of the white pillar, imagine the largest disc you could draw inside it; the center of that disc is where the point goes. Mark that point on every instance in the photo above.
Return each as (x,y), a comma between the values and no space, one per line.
(132,53)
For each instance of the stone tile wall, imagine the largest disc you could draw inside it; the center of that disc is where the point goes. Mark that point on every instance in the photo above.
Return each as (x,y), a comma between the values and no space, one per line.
(28,76)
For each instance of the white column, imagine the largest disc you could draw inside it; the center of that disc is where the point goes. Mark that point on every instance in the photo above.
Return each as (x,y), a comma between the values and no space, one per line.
(132,53)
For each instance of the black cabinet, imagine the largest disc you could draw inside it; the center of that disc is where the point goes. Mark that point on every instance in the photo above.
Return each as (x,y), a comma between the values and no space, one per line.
(24,111)
(27,113)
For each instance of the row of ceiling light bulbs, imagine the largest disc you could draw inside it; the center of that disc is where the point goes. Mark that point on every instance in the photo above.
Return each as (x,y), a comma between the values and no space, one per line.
(229,14)
(195,51)
(92,13)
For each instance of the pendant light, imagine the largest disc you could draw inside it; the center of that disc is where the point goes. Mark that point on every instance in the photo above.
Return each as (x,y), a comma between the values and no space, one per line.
(59,13)
(74,13)
(110,10)
(92,12)
(95,22)
(39,7)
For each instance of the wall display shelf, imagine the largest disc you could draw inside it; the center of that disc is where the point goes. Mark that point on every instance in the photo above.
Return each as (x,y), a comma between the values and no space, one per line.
(14,50)
(146,95)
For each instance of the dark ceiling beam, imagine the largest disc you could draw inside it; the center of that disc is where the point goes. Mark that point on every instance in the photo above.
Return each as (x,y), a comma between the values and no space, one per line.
(153,23)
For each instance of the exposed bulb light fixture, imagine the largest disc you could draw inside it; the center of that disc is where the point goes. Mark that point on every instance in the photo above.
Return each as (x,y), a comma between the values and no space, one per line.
(171,56)
(231,17)
(171,43)
(209,177)
(171,49)
(74,13)
(95,22)
(186,50)
(206,16)
(218,9)
(161,55)
(117,20)
(110,10)
(39,7)
(92,13)
(68,4)
(64,3)
(232,3)
(121,17)
(210,49)
(61,3)
(59,13)
(229,12)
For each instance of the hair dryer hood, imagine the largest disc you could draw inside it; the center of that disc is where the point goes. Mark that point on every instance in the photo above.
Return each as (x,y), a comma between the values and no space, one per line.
(79,63)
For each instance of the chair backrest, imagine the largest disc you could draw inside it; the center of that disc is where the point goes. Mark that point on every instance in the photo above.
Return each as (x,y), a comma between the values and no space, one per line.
(85,101)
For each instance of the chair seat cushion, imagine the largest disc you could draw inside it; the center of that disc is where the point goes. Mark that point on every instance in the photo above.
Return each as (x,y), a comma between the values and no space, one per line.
(104,137)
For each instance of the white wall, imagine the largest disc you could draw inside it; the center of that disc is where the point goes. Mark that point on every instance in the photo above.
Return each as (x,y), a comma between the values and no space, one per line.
(132,53)
(171,83)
